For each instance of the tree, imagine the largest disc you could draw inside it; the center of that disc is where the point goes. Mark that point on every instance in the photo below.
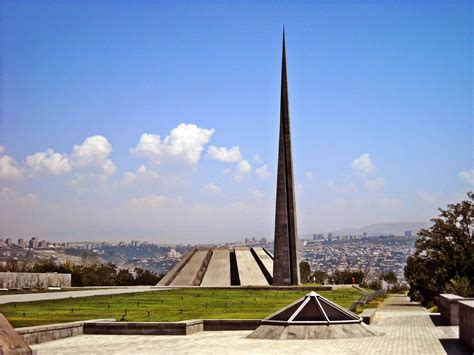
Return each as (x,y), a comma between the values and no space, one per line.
(390,277)
(305,272)
(443,258)
(319,277)
(146,277)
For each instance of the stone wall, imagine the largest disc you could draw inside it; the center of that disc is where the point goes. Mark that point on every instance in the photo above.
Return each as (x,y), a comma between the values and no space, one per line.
(466,323)
(448,306)
(44,333)
(22,280)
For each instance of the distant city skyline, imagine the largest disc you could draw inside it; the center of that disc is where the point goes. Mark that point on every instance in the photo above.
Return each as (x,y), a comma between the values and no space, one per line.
(160,121)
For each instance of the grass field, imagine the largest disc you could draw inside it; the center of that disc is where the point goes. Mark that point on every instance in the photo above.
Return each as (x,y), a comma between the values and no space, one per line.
(169,305)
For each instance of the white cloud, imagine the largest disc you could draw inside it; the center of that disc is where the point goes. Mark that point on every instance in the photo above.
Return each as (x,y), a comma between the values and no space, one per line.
(257,159)
(231,155)
(128,178)
(243,171)
(2,149)
(48,162)
(9,168)
(186,141)
(375,184)
(308,175)
(90,159)
(363,164)
(93,151)
(262,172)
(342,188)
(149,145)
(212,189)
(467,176)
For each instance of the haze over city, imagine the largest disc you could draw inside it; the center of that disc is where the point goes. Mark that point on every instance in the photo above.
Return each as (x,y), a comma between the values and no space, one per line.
(146,122)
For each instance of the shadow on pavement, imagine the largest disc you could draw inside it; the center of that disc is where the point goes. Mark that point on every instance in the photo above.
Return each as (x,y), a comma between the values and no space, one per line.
(454,347)
(438,320)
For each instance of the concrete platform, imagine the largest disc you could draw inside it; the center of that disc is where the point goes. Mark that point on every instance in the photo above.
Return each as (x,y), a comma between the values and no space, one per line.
(218,270)
(408,330)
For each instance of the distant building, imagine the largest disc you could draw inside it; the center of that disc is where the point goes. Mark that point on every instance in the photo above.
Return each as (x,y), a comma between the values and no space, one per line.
(408,234)
(34,243)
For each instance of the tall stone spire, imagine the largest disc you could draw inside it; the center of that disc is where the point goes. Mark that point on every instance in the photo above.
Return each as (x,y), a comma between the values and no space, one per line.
(285,265)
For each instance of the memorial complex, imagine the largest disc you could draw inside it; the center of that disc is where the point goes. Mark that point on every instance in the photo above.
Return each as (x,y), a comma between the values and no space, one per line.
(244,266)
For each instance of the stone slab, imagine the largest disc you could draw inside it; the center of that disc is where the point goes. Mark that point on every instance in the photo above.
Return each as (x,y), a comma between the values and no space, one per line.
(466,323)
(144,328)
(170,275)
(218,270)
(448,305)
(189,274)
(249,271)
(10,341)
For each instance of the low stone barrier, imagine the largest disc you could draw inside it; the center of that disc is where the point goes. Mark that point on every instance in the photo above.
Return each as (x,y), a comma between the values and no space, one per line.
(145,328)
(466,323)
(448,306)
(231,324)
(33,280)
(43,333)
(368,315)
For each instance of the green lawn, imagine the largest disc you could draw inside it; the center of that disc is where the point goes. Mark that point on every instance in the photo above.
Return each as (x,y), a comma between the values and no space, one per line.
(169,305)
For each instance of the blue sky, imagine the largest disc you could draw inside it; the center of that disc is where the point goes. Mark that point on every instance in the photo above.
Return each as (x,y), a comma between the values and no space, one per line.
(380,99)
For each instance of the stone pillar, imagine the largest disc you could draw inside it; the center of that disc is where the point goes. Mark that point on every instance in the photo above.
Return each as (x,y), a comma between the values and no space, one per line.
(286,265)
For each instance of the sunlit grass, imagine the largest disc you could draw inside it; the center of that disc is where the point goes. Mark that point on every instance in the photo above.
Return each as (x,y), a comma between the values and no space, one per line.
(169,305)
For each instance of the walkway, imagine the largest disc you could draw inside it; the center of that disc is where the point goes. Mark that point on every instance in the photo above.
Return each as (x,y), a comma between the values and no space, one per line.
(408,329)
(29,297)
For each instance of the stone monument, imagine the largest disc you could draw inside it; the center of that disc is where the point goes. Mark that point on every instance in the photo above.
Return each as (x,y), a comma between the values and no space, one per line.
(285,266)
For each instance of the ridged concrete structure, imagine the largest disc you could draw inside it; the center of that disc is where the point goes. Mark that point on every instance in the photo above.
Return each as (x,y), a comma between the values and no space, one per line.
(312,317)
(285,267)
(222,267)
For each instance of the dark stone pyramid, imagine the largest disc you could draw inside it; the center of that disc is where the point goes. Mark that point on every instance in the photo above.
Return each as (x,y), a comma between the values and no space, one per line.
(312,317)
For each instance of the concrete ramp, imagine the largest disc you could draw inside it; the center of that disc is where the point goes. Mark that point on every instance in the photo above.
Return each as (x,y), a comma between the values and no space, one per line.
(218,270)
(250,273)
(170,276)
(192,272)
(264,261)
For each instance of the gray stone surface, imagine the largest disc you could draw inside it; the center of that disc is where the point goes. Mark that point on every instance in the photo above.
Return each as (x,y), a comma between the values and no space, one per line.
(249,271)
(29,297)
(44,333)
(170,275)
(33,280)
(448,306)
(466,323)
(286,266)
(218,270)
(408,330)
(192,272)
(144,328)
(10,341)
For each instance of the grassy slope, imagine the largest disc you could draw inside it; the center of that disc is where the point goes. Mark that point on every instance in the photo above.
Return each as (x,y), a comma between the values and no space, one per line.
(170,305)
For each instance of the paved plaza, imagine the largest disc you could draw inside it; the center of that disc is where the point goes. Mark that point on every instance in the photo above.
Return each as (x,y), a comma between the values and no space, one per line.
(407,328)
(30,297)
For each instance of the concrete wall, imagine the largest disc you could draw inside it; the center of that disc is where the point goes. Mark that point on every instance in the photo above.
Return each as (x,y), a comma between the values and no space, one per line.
(448,306)
(144,328)
(466,323)
(44,333)
(20,280)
